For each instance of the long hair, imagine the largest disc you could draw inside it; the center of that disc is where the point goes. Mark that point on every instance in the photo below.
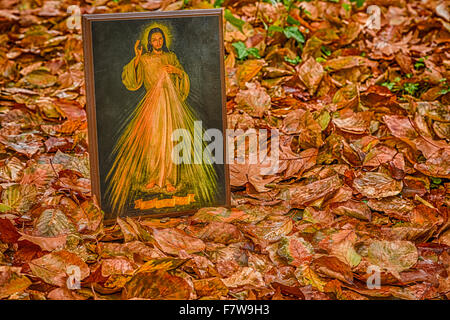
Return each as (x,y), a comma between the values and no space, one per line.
(149,45)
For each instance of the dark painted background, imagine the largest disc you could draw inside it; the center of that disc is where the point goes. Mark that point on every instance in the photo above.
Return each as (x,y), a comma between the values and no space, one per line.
(195,40)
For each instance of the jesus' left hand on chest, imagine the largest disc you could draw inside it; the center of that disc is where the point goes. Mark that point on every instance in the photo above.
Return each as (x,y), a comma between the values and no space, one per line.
(171,69)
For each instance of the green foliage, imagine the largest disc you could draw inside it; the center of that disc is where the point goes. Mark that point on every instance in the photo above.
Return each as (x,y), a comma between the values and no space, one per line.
(391,85)
(274,28)
(435,182)
(292,20)
(233,20)
(359,3)
(289,32)
(294,32)
(347,7)
(419,64)
(287,3)
(218,3)
(411,88)
(446,86)
(320,59)
(295,61)
(326,51)
(243,52)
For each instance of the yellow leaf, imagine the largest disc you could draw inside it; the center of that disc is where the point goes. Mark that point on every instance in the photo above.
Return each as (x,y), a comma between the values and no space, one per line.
(307,276)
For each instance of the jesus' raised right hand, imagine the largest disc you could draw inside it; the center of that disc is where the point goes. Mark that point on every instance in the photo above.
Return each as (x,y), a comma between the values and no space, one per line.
(138,51)
(138,48)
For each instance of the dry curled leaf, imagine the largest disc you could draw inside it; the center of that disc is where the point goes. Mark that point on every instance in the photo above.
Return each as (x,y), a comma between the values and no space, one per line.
(393,256)
(301,195)
(377,185)
(157,285)
(54,267)
(172,241)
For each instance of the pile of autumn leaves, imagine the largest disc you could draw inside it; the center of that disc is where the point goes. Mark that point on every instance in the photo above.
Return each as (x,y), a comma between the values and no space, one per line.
(361,186)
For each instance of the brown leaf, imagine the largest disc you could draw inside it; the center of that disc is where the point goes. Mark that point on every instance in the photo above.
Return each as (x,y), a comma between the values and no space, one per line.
(117,266)
(333,268)
(240,174)
(255,100)
(356,123)
(11,281)
(274,228)
(436,166)
(248,70)
(299,196)
(379,155)
(129,233)
(343,247)
(157,285)
(210,287)
(395,206)
(52,268)
(172,241)
(297,163)
(393,256)
(245,277)
(220,232)
(400,127)
(346,63)
(296,250)
(311,73)
(64,294)
(377,185)
(131,250)
(46,243)
(355,209)
(8,233)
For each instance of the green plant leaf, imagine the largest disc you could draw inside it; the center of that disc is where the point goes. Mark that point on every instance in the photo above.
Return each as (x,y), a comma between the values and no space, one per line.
(233,20)
(294,32)
(243,52)
(297,60)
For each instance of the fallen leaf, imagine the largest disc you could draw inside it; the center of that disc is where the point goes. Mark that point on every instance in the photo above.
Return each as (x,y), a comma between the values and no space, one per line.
(156,285)
(53,267)
(296,250)
(354,209)
(299,196)
(172,241)
(11,281)
(311,73)
(393,256)
(333,267)
(254,100)
(46,243)
(377,185)
(244,277)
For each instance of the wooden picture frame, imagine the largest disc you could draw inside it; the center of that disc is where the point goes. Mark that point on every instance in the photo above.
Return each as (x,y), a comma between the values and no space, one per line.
(115,122)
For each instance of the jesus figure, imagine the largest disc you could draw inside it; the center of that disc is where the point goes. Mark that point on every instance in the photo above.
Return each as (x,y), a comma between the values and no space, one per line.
(143,153)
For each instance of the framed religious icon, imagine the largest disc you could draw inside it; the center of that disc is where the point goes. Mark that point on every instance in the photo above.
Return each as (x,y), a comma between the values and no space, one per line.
(156,111)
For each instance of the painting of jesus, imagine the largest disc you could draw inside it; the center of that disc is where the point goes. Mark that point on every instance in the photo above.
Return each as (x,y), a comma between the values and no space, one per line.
(143,153)
(138,172)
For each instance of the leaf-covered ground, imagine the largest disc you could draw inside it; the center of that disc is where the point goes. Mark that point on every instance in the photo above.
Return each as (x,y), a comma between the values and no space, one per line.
(362,185)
